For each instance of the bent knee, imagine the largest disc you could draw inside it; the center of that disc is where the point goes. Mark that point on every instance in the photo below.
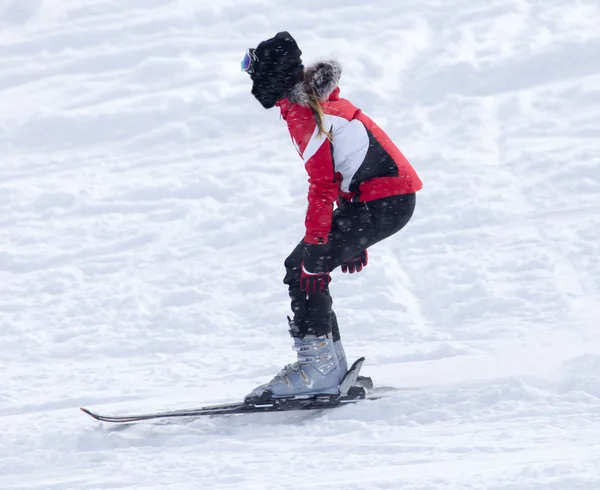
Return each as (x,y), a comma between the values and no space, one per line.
(293,263)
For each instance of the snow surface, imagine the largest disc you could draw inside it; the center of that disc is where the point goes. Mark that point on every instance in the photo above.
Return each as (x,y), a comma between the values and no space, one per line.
(147,202)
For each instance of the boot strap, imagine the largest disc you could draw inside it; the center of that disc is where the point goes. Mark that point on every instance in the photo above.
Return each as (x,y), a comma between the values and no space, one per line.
(304,359)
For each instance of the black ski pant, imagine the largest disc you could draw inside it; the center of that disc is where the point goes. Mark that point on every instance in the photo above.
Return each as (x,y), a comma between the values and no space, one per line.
(355,227)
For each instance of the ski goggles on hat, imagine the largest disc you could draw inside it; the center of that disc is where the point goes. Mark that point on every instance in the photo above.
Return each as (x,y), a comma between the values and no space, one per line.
(249,61)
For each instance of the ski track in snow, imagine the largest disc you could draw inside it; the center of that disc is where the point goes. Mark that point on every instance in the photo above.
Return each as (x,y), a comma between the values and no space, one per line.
(147,203)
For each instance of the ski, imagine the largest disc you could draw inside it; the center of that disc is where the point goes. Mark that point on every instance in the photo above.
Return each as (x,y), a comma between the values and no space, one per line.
(322,402)
(295,404)
(349,393)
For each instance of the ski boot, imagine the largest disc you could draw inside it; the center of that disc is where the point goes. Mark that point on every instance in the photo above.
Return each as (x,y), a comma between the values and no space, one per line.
(317,371)
(341,355)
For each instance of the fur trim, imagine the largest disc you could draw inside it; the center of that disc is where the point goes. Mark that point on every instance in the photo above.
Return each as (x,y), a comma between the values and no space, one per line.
(322,77)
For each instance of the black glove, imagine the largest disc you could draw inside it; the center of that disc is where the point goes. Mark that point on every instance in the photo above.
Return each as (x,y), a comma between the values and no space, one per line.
(356,263)
(315,269)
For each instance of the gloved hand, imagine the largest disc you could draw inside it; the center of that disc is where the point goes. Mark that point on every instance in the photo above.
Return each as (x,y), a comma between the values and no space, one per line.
(356,263)
(314,276)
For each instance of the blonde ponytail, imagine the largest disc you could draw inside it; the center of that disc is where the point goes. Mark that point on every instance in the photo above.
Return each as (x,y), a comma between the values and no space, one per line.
(315,105)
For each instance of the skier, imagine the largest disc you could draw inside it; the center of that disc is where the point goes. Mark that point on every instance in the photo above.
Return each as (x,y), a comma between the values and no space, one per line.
(350,161)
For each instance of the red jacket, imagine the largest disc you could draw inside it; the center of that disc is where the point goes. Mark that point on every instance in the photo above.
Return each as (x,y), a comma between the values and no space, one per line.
(360,163)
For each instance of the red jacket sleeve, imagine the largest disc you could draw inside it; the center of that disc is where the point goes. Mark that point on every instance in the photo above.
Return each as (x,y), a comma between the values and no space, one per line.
(322,192)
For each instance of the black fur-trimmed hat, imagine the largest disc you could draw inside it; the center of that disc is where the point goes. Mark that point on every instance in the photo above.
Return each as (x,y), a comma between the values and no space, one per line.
(278,68)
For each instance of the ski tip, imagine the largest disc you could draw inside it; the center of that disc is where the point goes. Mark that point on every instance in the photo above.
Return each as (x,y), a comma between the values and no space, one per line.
(89,412)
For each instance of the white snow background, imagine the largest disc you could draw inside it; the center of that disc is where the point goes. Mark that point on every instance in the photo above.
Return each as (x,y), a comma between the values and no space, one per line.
(147,203)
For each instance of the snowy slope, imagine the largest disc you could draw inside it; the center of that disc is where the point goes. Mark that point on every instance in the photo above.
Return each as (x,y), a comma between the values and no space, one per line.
(147,202)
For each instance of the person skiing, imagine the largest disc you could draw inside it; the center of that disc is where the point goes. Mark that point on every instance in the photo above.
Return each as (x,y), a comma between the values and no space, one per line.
(350,161)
